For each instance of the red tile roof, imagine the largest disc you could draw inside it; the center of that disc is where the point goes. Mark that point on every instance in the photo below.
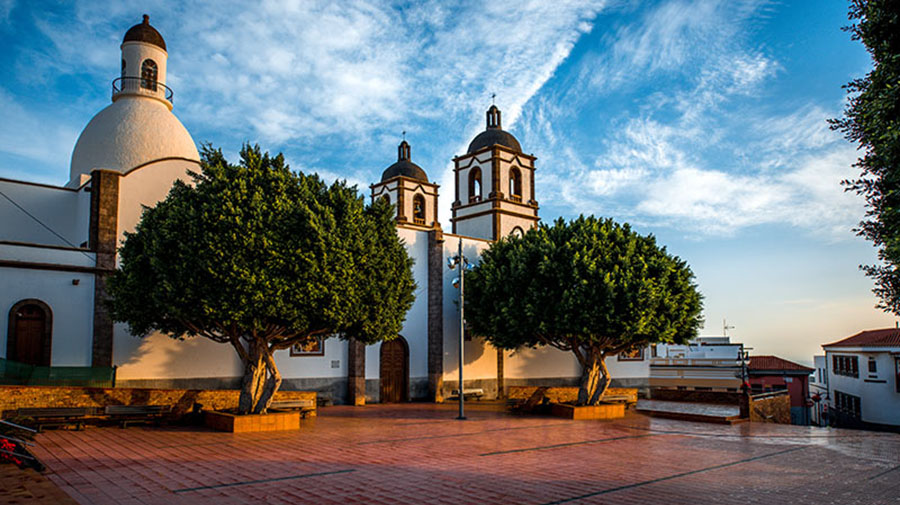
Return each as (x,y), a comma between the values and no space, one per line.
(888,337)
(775,363)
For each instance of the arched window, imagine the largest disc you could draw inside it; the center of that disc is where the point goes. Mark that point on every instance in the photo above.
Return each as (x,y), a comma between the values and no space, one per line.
(30,333)
(149,74)
(475,184)
(419,209)
(517,232)
(515,184)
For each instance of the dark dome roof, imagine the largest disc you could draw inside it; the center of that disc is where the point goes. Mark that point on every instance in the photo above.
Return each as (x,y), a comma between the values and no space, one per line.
(494,134)
(145,33)
(404,167)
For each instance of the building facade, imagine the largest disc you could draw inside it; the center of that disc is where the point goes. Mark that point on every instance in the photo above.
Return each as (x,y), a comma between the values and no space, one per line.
(864,380)
(58,245)
(771,373)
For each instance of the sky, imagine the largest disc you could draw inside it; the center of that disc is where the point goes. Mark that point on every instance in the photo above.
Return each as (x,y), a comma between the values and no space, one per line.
(700,122)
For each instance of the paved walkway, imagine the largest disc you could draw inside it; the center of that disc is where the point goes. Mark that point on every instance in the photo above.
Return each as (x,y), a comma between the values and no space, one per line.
(702,409)
(418,453)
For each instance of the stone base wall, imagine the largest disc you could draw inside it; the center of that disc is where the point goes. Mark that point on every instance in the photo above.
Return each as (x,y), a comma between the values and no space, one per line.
(693,396)
(771,408)
(181,400)
(334,389)
(565,394)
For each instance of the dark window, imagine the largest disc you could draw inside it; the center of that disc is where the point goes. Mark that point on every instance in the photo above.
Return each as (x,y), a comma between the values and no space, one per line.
(873,366)
(475,184)
(149,74)
(515,184)
(123,68)
(847,404)
(419,209)
(897,375)
(845,365)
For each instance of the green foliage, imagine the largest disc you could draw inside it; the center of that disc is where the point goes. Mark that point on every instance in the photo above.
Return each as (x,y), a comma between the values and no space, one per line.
(872,121)
(262,258)
(588,285)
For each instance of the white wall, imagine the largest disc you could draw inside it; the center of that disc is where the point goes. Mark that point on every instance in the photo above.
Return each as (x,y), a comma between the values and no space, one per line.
(65,211)
(72,307)
(879,401)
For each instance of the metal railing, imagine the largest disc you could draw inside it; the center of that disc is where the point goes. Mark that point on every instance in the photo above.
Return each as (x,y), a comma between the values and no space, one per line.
(141,86)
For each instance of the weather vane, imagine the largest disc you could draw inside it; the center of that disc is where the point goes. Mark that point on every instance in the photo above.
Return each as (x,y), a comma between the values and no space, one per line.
(493,96)
(404,134)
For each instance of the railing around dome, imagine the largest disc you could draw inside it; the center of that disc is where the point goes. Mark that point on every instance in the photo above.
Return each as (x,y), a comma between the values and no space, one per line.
(141,86)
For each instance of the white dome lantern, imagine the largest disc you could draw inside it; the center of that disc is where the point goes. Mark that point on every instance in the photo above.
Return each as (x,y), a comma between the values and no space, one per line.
(138,127)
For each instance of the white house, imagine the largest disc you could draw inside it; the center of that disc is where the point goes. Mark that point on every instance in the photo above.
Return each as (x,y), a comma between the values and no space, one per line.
(818,391)
(864,380)
(58,245)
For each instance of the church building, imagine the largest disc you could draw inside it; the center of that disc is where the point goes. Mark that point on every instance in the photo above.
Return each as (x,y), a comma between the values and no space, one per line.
(58,246)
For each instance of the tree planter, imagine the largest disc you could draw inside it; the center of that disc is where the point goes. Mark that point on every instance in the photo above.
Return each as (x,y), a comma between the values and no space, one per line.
(249,423)
(602,411)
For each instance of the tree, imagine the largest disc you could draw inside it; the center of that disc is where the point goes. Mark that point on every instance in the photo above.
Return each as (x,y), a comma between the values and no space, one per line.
(591,287)
(261,258)
(872,121)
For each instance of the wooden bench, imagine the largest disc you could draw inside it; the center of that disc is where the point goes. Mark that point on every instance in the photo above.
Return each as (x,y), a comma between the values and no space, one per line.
(468,393)
(304,406)
(57,416)
(132,414)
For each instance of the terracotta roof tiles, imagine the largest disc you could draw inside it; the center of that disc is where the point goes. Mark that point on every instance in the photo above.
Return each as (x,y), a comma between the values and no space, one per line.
(775,363)
(888,337)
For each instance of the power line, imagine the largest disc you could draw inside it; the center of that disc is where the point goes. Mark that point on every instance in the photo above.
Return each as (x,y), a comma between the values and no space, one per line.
(32,216)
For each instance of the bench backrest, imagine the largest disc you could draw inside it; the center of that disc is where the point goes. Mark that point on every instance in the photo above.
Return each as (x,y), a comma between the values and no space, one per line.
(136,410)
(56,412)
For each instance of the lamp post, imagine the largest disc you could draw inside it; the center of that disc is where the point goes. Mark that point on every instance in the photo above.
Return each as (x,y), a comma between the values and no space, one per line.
(459,261)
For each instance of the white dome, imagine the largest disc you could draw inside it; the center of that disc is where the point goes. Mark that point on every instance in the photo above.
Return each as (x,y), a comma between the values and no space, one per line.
(131,131)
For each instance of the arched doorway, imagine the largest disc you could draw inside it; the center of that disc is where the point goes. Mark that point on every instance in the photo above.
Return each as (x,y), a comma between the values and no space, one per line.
(30,333)
(394,371)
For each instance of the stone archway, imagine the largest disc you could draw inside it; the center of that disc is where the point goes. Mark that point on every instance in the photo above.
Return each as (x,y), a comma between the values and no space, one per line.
(30,333)
(394,371)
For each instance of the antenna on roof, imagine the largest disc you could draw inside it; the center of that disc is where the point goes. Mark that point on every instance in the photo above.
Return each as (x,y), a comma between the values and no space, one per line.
(725,328)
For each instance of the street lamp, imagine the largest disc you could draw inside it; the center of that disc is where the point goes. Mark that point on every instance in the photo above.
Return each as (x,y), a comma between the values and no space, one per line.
(461,263)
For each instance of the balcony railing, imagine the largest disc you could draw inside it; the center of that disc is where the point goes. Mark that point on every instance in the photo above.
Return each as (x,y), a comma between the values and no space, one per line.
(141,86)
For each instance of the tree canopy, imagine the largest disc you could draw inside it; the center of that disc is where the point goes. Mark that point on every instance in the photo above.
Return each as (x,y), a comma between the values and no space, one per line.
(262,258)
(872,121)
(591,286)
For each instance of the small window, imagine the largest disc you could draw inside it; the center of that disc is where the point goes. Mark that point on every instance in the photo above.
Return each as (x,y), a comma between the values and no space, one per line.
(149,74)
(517,232)
(475,184)
(123,68)
(873,366)
(515,184)
(419,209)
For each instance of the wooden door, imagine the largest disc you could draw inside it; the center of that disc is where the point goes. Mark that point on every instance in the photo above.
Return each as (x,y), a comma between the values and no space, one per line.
(394,374)
(30,328)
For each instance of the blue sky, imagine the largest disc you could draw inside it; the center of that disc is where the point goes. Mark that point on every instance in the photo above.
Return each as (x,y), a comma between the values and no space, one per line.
(702,122)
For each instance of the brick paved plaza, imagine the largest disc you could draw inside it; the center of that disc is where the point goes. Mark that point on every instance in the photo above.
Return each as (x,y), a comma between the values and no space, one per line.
(418,453)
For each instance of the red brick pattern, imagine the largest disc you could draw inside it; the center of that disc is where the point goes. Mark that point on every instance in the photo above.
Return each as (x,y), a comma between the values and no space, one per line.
(418,453)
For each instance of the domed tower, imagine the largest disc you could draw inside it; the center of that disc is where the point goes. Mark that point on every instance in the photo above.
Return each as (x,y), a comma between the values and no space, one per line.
(138,127)
(405,185)
(494,185)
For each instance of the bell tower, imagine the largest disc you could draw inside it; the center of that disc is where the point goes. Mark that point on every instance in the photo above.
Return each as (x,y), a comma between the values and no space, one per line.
(405,185)
(143,65)
(494,185)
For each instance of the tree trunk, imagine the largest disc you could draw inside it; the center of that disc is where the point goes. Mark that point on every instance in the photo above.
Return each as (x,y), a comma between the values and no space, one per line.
(252,382)
(273,382)
(594,378)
